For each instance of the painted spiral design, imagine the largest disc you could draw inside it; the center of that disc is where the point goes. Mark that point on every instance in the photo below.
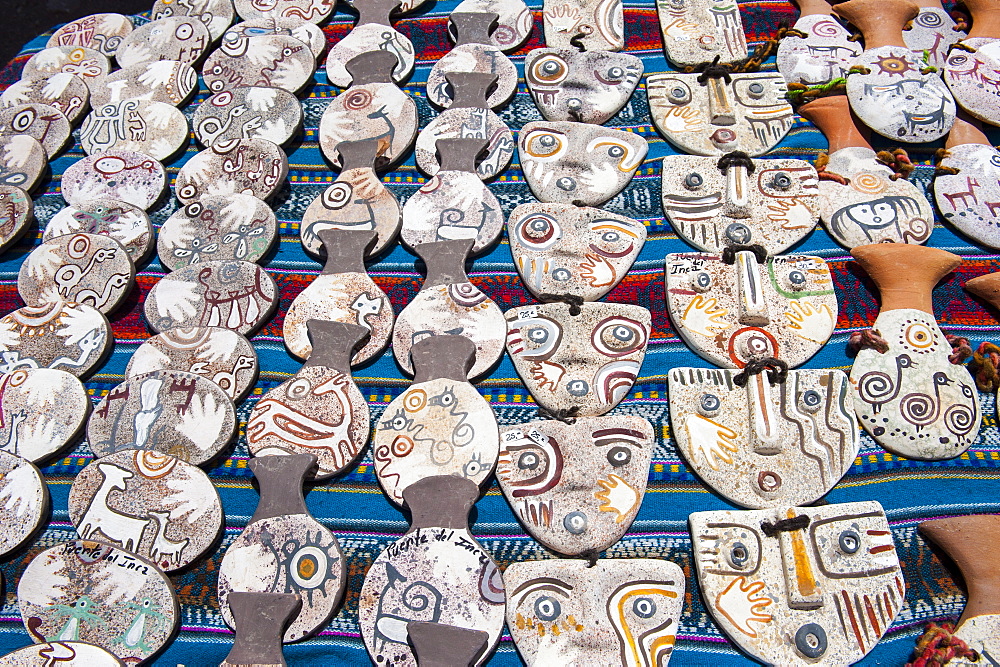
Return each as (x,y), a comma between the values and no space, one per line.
(869,184)
(918,409)
(466,295)
(875,386)
(960,419)
(827,29)
(917,231)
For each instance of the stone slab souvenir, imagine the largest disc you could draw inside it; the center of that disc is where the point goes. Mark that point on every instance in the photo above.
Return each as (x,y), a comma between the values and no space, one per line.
(468,117)
(576,163)
(972,72)
(67,654)
(440,645)
(342,292)
(130,177)
(448,303)
(986,287)
(799,585)
(622,611)
(437,562)
(169,412)
(217,228)
(180,38)
(713,203)
(581,86)
(217,15)
(223,356)
(42,410)
(84,62)
(697,32)
(284,549)
(43,123)
(255,167)
(126,223)
(254,112)
(372,31)
(308,33)
(99,594)
(823,53)
(357,200)
(932,32)
(514,21)
(22,163)
(473,52)
(16,213)
(896,98)
(970,197)
(910,398)
(263,618)
(564,250)
(159,130)
(101,32)
(440,425)
(167,81)
(589,25)
(67,336)
(863,204)
(65,92)
(454,203)
(576,488)
(312,11)
(276,61)
(319,411)
(751,309)
(236,295)
(372,108)
(24,501)
(766,442)
(715,115)
(152,504)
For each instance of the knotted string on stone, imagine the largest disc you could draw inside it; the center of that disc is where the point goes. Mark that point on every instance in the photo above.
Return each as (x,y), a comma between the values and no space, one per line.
(939,645)
(784,525)
(777,371)
(898,160)
(564,415)
(572,300)
(983,366)
(822,161)
(712,70)
(963,46)
(867,339)
(729,253)
(961,349)
(800,93)
(736,159)
(940,170)
(961,20)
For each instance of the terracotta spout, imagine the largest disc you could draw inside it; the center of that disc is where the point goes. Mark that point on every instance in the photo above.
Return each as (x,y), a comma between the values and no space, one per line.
(986,288)
(833,117)
(813,8)
(971,541)
(966,130)
(905,274)
(985,18)
(880,21)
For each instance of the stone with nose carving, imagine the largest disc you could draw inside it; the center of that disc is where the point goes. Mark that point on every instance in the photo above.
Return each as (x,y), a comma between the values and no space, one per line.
(582,86)
(696,32)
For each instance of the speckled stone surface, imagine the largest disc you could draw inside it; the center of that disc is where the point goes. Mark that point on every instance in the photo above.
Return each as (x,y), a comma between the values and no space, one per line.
(254,112)
(968,199)
(215,14)
(473,52)
(260,619)
(582,86)
(16,213)
(590,25)
(698,31)
(43,410)
(22,162)
(278,61)
(70,653)
(973,78)
(168,81)
(123,175)
(101,32)
(84,62)
(372,31)
(824,54)
(313,11)
(68,336)
(66,92)
(514,21)
(45,124)
(24,500)
(255,167)
(308,33)
(182,38)
(126,223)
(217,228)
(157,129)
(932,32)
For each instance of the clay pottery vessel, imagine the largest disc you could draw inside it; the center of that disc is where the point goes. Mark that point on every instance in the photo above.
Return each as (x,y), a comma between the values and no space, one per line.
(261,619)
(515,22)
(587,25)
(373,29)
(823,54)
(933,32)
(969,198)
(473,52)
(581,86)
(698,32)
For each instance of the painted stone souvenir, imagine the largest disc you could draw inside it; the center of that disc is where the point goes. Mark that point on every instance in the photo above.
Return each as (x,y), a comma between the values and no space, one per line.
(308,33)
(438,563)
(236,295)
(970,198)
(473,52)
(751,308)
(714,203)
(24,501)
(932,32)
(911,399)
(342,292)
(864,205)
(581,86)
(130,177)
(167,81)
(217,15)
(84,62)
(823,54)
(564,250)
(101,32)
(897,97)
(514,20)
(169,412)
(468,117)
(152,504)
(698,32)
(440,425)
(766,442)
(611,612)
(223,356)
(255,167)
(440,645)
(217,227)
(181,38)
(715,115)
(318,411)
(126,223)
(42,409)
(159,130)
(43,123)
(356,200)
(312,11)
(986,287)
(248,111)
(454,204)
(276,61)
(972,71)
(372,108)
(16,212)
(448,303)
(263,617)
(67,336)
(372,31)
(576,487)
(67,654)
(96,593)
(65,92)
(589,25)
(284,549)
(22,163)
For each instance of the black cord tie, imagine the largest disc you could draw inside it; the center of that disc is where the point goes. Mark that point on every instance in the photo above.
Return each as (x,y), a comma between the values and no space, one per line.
(785,525)
(777,371)
(565,415)
(729,253)
(713,70)
(572,300)
(736,159)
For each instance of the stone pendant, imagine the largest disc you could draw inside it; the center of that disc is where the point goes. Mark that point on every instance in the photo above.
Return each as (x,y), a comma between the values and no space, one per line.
(514,19)
(17,214)
(372,31)
(255,167)
(64,335)
(263,617)
(130,177)
(698,31)
(126,223)
(254,61)
(714,203)
(576,488)
(932,32)
(440,425)
(742,307)
(42,410)
(911,399)
(581,86)
(473,52)
(800,585)
(970,198)
(284,549)
(254,112)
(67,93)
(24,501)
(229,227)
(561,250)
(439,562)
(181,38)
(614,611)
(157,129)
(579,361)
(587,25)
(760,441)
(972,71)
(47,125)
(824,54)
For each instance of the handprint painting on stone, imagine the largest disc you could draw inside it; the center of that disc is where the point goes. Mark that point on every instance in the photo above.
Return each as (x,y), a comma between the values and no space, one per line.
(696,31)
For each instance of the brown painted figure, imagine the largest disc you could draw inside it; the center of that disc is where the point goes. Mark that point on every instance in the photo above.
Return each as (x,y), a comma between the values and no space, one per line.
(970,197)
(101,32)
(255,167)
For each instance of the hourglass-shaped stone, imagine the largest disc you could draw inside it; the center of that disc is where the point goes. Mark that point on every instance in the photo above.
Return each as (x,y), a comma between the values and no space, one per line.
(261,620)
(932,32)
(473,52)
(372,31)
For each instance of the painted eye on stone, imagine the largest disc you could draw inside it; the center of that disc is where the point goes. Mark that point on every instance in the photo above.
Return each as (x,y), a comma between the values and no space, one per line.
(547,608)
(810,640)
(618,336)
(610,237)
(544,144)
(619,456)
(811,400)
(566,183)
(781,181)
(679,94)
(538,335)
(616,152)
(738,555)
(739,233)
(616,73)
(849,541)
(537,232)
(644,607)
(796,279)
(549,69)
(577,388)
(575,522)
(701,281)
(562,275)
(709,405)
(184,31)
(693,180)
(529,461)
(472,468)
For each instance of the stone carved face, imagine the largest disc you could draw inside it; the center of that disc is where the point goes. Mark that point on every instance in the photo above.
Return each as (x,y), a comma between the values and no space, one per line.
(695,32)
(596,25)
(824,592)
(824,54)
(576,488)
(582,86)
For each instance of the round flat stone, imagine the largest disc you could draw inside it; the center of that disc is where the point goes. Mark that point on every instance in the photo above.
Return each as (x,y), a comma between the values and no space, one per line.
(103,595)
(370,111)
(79,60)
(159,130)
(43,411)
(123,175)
(217,227)
(168,411)
(68,336)
(24,501)
(167,81)
(235,295)
(223,356)
(66,92)
(360,40)
(153,504)
(484,58)
(308,33)
(76,653)
(252,112)
(179,38)
(101,32)
(356,200)
(467,123)
(126,223)
(22,161)
(278,61)
(215,14)
(255,167)
(311,11)
(43,123)
(16,210)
